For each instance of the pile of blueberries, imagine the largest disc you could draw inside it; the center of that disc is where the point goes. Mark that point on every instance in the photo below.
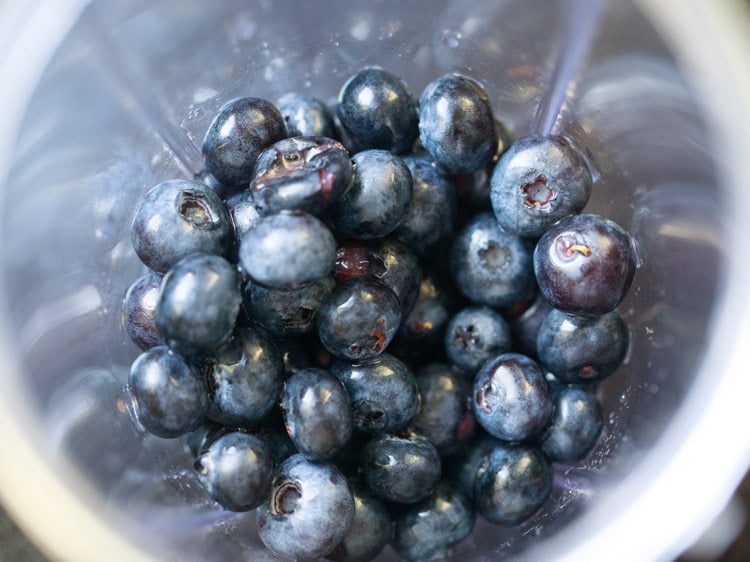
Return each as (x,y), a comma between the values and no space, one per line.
(371,322)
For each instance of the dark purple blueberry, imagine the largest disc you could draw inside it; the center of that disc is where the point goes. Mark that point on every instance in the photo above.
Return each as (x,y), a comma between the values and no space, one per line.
(456,125)
(305,173)
(359,319)
(575,427)
(294,356)
(383,392)
(317,413)
(139,311)
(475,335)
(379,197)
(199,304)
(274,435)
(198,441)
(306,116)
(511,398)
(237,135)
(538,181)
(169,394)
(403,468)
(308,511)
(513,482)
(177,218)
(236,471)
(444,415)
(582,349)
(525,326)
(429,529)
(584,265)
(430,219)
(244,379)
(244,214)
(377,110)
(491,266)
(287,250)
(462,467)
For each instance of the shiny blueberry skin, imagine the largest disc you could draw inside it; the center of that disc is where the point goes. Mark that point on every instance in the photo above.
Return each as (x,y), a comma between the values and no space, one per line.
(584,265)
(430,528)
(243,213)
(378,111)
(430,219)
(475,335)
(456,125)
(306,116)
(236,471)
(139,311)
(244,379)
(169,394)
(305,173)
(199,304)
(513,482)
(287,312)
(462,468)
(580,349)
(491,266)
(308,512)
(525,327)
(538,181)
(237,135)
(575,427)
(317,413)
(445,416)
(359,319)
(379,197)
(177,218)
(511,398)
(403,468)
(289,249)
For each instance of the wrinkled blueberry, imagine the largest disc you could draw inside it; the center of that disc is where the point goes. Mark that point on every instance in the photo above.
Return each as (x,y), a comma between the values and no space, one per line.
(525,326)
(511,398)
(456,125)
(378,111)
(575,426)
(199,304)
(177,218)
(169,395)
(306,116)
(237,135)
(538,181)
(584,264)
(244,214)
(475,335)
(139,311)
(308,512)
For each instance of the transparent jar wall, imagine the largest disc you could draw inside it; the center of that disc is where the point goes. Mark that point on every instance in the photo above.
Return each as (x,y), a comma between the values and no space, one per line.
(136,83)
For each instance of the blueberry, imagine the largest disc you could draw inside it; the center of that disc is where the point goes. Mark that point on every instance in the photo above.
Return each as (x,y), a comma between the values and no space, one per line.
(308,512)
(287,312)
(584,265)
(244,379)
(237,135)
(475,335)
(383,392)
(428,529)
(525,326)
(538,181)
(169,395)
(575,426)
(402,468)
(198,441)
(294,356)
(491,266)
(456,125)
(139,311)
(306,116)
(444,415)
(288,249)
(305,173)
(462,467)
(236,471)
(581,349)
(200,301)
(430,218)
(317,413)
(511,398)
(177,218)
(243,213)
(359,319)
(513,482)
(378,111)
(379,197)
